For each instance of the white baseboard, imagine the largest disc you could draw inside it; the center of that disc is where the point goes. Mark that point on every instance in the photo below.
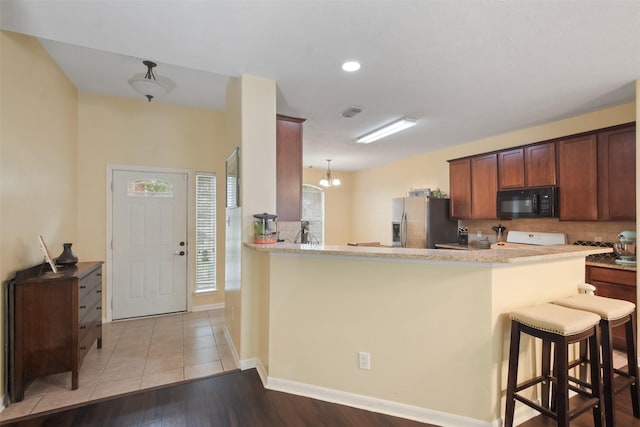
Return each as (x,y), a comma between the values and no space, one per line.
(232,346)
(207,307)
(375,405)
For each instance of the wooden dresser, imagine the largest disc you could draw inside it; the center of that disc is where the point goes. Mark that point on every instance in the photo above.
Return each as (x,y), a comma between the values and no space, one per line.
(53,320)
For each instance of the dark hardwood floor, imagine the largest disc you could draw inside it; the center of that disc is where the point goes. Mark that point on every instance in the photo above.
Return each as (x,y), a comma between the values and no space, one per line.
(624,416)
(238,399)
(231,399)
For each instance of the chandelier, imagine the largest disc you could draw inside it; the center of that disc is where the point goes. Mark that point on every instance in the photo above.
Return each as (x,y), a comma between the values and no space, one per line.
(327,180)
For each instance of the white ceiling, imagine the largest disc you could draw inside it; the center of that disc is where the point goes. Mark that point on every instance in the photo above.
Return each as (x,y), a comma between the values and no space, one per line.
(465,69)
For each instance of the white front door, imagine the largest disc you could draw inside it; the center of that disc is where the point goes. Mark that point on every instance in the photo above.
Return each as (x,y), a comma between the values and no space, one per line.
(149,243)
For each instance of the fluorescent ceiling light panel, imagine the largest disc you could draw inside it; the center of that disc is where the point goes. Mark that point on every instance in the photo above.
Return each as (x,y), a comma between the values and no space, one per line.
(387,130)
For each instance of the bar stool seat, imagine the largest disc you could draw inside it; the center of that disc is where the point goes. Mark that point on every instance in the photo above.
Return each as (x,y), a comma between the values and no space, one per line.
(612,312)
(560,326)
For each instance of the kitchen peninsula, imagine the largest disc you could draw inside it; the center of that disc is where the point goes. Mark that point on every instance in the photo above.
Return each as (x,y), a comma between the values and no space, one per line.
(432,320)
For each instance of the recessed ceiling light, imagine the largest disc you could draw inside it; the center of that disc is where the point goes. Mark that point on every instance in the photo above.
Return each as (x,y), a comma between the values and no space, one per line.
(351,66)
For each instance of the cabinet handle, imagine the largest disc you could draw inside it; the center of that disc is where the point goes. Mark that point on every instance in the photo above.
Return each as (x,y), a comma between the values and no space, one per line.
(98,308)
(82,306)
(83,348)
(99,291)
(99,325)
(99,274)
(83,327)
(83,287)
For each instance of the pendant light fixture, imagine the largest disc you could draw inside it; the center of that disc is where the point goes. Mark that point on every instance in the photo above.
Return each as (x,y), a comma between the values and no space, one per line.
(327,180)
(150,85)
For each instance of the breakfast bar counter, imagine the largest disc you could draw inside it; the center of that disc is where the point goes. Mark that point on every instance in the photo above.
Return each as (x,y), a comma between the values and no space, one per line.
(494,255)
(434,323)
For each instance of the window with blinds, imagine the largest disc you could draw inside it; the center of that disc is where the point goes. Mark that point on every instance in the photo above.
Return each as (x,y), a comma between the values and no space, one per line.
(205,231)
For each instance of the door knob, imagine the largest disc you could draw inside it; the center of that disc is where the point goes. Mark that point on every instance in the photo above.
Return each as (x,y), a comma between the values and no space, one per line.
(181,253)
(181,243)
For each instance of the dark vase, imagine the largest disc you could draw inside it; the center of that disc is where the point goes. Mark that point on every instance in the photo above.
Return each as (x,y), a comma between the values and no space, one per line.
(67,257)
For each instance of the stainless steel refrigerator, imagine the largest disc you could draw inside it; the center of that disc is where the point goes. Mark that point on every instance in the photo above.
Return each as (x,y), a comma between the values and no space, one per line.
(421,222)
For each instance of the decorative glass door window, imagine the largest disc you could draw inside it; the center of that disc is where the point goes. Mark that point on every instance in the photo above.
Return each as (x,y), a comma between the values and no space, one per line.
(149,188)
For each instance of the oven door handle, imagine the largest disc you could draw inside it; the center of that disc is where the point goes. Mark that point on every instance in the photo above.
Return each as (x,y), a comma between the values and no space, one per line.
(536,205)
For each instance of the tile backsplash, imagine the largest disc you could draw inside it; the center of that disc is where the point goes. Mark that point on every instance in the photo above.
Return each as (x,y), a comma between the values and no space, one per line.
(575,230)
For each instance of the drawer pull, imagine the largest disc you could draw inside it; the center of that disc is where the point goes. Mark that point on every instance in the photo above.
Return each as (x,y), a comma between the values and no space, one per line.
(83,348)
(83,327)
(99,325)
(99,307)
(99,291)
(83,307)
(99,274)
(83,287)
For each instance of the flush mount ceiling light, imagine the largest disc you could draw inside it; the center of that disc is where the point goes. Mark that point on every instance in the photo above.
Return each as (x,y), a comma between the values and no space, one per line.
(326,180)
(149,84)
(351,66)
(391,128)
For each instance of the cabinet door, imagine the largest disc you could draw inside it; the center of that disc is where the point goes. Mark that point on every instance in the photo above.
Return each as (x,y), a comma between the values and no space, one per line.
(460,188)
(613,283)
(484,186)
(578,176)
(617,174)
(540,164)
(288,168)
(511,169)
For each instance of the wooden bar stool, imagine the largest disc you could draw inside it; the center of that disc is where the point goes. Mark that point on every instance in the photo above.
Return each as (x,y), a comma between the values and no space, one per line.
(612,312)
(561,327)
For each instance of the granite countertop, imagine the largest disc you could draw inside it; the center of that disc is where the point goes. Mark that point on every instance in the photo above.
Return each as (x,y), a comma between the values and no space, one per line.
(494,255)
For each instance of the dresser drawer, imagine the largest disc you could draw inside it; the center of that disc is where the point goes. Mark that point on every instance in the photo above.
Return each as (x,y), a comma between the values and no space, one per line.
(84,344)
(88,307)
(91,319)
(89,283)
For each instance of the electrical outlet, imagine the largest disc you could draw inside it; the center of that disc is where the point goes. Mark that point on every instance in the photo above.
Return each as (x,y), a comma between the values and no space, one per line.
(597,239)
(364,360)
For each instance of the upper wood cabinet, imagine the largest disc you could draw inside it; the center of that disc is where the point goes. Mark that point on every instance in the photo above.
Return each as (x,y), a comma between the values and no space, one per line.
(288,168)
(540,164)
(617,174)
(484,186)
(528,166)
(578,178)
(460,188)
(595,173)
(473,183)
(511,169)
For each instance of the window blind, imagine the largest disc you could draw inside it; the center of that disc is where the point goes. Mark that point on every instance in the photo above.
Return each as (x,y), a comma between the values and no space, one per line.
(205,231)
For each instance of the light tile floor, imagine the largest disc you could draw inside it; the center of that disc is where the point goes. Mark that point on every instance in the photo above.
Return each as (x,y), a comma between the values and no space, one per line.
(136,354)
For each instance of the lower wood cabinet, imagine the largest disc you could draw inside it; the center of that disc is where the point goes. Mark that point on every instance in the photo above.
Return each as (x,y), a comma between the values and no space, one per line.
(53,320)
(614,283)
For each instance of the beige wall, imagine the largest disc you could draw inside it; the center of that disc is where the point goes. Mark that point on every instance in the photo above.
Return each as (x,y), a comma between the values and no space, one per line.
(38,149)
(126,132)
(337,205)
(374,188)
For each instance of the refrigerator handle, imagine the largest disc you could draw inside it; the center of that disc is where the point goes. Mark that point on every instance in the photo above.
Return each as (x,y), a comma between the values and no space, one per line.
(403,230)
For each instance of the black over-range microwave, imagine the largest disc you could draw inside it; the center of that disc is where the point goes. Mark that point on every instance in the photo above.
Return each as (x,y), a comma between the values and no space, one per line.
(539,202)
